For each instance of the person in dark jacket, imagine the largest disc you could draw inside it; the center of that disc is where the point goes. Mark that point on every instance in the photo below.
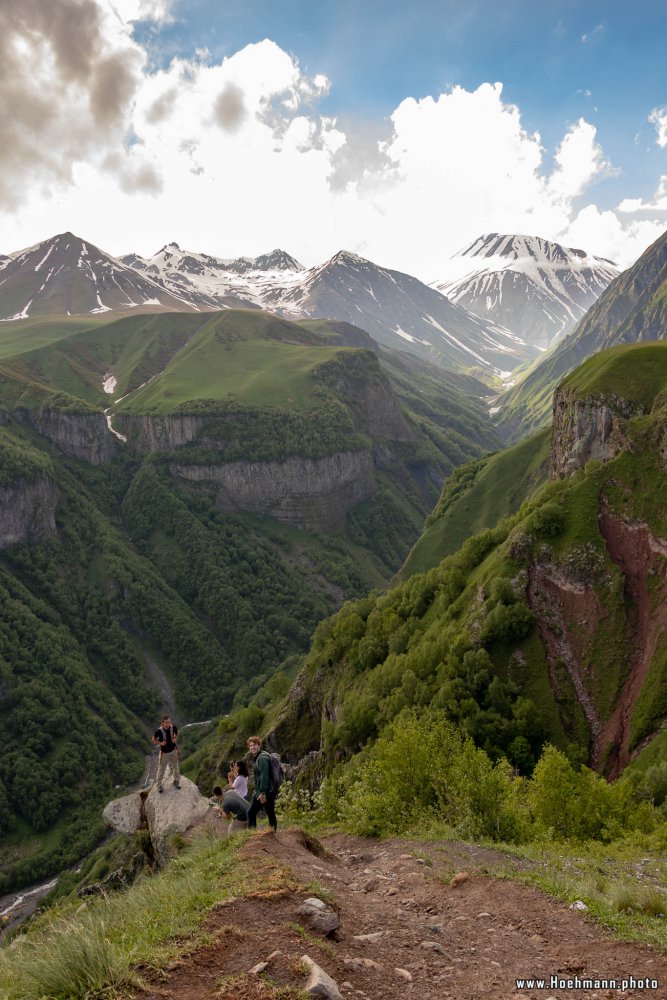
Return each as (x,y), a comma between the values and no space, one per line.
(166,738)
(264,795)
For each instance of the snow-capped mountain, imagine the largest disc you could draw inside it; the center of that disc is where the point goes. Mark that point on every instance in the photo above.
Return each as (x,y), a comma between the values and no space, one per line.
(401,312)
(534,287)
(396,309)
(65,275)
(213,282)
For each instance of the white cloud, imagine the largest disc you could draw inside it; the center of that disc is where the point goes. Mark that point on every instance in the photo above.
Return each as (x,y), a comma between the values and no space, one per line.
(235,157)
(144,10)
(658,117)
(579,160)
(659,203)
(590,35)
(604,234)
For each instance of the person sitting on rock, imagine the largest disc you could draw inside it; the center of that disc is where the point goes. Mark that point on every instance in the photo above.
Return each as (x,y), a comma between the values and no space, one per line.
(238,778)
(166,739)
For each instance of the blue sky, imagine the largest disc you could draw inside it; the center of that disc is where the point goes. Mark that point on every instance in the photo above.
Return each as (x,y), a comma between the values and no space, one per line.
(558,60)
(398,131)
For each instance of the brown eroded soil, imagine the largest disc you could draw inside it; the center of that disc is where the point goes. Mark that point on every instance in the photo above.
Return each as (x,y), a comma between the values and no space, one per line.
(469,942)
(639,556)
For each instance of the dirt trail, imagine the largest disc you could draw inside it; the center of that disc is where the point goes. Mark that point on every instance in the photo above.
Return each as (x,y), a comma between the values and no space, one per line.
(471,942)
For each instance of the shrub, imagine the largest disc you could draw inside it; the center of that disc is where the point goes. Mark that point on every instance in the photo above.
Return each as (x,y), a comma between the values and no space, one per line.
(423,767)
(508,622)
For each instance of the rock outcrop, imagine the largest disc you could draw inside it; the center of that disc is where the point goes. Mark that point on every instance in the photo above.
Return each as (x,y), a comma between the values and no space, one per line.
(123,814)
(159,433)
(174,811)
(80,435)
(585,429)
(313,494)
(27,511)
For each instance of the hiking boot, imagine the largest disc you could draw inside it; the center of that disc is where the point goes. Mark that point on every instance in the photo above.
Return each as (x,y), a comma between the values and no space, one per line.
(176,786)
(160,791)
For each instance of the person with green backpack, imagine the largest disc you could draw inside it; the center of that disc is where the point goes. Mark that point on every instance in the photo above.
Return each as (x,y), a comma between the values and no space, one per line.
(268,776)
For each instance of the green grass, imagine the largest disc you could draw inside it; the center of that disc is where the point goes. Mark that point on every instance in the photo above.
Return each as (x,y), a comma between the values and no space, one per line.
(77,952)
(635,372)
(248,356)
(622,884)
(478,496)
(23,336)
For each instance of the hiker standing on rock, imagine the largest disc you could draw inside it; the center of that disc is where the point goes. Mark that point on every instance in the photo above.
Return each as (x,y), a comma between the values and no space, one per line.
(165,738)
(264,795)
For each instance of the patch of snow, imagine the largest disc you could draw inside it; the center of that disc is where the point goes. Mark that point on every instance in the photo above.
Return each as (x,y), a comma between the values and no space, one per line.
(404,335)
(109,383)
(45,257)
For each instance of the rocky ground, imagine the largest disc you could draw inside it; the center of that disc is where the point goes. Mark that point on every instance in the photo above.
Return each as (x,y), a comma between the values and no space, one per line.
(418,921)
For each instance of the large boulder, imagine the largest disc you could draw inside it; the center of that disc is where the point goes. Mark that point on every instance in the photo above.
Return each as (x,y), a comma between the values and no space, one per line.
(124,814)
(173,811)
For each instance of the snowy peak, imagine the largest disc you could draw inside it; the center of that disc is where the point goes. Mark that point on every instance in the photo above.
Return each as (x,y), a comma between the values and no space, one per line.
(401,312)
(277,260)
(535,287)
(216,282)
(65,275)
(527,248)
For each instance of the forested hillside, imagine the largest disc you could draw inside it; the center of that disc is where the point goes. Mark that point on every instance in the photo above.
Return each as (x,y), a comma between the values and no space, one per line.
(548,626)
(270,472)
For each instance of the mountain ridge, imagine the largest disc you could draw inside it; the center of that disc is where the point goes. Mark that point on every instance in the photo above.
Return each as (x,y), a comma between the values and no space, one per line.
(632,308)
(537,288)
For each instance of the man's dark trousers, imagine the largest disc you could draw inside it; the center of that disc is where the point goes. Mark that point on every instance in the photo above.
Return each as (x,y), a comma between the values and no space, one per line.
(269,805)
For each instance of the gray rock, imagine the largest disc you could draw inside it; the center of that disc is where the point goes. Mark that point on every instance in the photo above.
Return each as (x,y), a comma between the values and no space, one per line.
(433,946)
(315,902)
(175,811)
(81,435)
(320,984)
(361,964)
(27,511)
(318,917)
(313,494)
(123,814)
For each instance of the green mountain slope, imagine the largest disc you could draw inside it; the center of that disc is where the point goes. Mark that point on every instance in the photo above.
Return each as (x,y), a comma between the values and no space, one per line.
(548,626)
(136,568)
(475,497)
(632,308)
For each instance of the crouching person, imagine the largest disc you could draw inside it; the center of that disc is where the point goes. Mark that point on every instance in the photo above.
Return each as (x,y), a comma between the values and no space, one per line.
(235,808)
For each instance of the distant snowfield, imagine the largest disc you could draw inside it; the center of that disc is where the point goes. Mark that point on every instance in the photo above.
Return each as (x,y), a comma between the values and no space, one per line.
(109,384)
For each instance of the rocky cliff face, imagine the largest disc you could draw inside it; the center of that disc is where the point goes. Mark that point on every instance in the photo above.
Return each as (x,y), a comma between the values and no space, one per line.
(366,390)
(160,433)
(27,511)
(314,494)
(585,429)
(81,435)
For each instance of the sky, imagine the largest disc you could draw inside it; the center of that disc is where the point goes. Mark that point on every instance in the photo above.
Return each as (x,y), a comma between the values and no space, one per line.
(399,131)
